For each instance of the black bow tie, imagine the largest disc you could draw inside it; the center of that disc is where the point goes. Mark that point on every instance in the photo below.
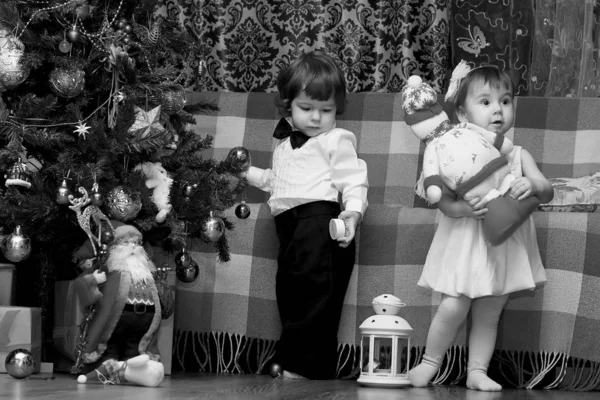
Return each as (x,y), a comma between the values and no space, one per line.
(284,129)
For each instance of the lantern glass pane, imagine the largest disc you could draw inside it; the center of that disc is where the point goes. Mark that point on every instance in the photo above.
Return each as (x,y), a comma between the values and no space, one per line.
(382,356)
(402,356)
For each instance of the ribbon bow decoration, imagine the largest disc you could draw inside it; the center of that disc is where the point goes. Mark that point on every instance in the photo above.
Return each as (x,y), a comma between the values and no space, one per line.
(284,129)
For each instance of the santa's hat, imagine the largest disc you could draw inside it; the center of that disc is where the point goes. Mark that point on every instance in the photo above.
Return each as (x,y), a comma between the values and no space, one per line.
(109,373)
(123,232)
(419,101)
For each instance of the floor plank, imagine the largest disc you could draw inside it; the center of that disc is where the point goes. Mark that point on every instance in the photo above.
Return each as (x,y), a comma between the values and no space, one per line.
(201,386)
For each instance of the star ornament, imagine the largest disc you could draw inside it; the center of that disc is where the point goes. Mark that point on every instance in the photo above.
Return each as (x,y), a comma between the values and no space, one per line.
(146,122)
(82,129)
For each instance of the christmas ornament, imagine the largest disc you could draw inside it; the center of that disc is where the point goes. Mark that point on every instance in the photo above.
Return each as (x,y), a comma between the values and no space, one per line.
(63,193)
(12,73)
(240,156)
(173,101)
(73,35)
(146,122)
(82,129)
(214,227)
(17,246)
(19,363)
(275,371)
(188,189)
(97,198)
(123,203)
(18,175)
(107,236)
(188,274)
(242,211)
(183,259)
(64,46)
(201,69)
(67,83)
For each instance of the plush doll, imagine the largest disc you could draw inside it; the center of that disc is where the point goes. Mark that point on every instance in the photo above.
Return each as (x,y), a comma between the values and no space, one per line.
(140,370)
(159,181)
(468,159)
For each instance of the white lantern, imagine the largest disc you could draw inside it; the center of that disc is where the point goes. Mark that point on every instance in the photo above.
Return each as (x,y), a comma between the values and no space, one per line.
(385,345)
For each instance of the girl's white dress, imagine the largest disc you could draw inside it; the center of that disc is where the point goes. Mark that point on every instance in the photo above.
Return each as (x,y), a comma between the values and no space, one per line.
(461,262)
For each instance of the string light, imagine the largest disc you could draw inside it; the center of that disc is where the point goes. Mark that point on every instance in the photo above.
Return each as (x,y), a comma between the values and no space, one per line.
(54,125)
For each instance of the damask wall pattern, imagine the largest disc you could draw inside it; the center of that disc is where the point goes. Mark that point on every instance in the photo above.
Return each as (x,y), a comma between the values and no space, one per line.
(378,43)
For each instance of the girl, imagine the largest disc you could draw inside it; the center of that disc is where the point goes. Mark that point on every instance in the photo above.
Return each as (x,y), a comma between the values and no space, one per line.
(470,274)
(313,162)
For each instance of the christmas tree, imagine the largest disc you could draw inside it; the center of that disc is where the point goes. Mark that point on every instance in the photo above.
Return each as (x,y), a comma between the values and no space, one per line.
(93,118)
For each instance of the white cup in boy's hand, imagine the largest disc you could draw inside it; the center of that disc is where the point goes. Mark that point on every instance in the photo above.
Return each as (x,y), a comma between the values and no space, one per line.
(337,228)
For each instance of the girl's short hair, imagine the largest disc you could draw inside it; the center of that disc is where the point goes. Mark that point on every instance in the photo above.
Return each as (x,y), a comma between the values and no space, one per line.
(487,74)
(317,74)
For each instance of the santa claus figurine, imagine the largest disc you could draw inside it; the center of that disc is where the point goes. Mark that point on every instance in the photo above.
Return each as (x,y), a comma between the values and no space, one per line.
(129,306)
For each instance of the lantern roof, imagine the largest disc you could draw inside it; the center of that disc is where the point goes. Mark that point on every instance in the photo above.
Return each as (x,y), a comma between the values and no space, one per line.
(382,324)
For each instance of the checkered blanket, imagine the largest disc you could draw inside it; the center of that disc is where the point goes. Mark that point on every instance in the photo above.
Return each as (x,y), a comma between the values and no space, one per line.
(229,313)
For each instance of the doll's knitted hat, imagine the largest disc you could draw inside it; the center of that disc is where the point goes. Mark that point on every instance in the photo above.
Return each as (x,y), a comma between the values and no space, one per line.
(419,101)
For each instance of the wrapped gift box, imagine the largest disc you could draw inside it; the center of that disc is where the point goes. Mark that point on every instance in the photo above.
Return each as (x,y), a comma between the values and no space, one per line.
(69,314)
(7,284)
(21,328)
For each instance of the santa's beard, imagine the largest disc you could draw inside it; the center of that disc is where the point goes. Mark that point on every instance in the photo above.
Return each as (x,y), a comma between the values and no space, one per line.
(132,259)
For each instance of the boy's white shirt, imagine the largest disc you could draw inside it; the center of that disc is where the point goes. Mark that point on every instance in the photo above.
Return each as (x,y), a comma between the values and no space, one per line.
(324,166)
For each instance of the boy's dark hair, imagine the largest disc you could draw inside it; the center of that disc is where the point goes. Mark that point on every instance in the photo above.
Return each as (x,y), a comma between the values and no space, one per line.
(318,75)
(489,74)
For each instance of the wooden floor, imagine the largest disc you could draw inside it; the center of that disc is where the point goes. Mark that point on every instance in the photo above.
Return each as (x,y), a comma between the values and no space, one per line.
(243,387)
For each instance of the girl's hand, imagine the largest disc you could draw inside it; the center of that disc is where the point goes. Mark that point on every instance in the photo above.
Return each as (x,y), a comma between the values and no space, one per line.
(351,220)
(475,208)
(521,188)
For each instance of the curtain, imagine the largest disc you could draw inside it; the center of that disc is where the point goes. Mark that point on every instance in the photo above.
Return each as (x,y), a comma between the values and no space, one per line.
(243,44)
(495,32)
(548,47)
(565,54)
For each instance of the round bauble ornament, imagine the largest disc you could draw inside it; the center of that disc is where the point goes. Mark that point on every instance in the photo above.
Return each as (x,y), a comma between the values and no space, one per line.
(276,371)
(67,83)
(62,193)
(188,274)
(12,73)
(64,46)
(214,227)
(73,35)
(242,211)
(17,246)
(123,203)
(183,259)
(107,236)
(240,156)
(96,197)
(172,100)
(19,363)
(188,190)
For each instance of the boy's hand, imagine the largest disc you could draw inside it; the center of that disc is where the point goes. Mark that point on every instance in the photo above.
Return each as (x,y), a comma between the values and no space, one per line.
(351,220)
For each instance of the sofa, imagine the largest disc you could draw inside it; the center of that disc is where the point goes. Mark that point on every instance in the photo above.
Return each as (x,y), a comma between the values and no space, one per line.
(227,319)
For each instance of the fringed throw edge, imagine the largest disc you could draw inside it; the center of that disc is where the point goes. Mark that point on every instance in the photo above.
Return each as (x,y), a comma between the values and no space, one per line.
(223,352)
